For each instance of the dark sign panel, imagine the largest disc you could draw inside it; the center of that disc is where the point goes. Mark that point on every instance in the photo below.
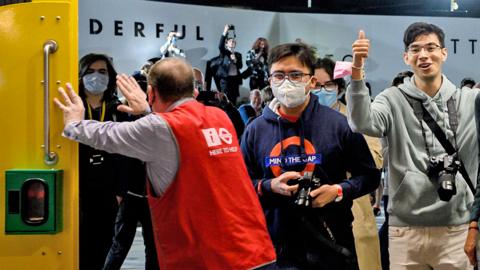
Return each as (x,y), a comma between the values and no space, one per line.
(445,8)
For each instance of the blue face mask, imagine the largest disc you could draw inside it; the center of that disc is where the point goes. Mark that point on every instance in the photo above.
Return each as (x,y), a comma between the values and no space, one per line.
(326,98)
(95,83)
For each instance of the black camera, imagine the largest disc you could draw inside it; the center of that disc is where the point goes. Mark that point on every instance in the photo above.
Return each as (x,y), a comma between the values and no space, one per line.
(445,169)
(213,98)
(231,32)
(208,98)
(306,184)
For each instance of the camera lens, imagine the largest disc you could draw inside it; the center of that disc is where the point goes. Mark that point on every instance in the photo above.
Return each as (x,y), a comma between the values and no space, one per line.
(302,198)
(447,186)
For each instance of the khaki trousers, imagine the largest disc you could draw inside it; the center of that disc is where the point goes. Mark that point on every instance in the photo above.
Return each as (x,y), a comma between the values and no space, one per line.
(366,234)
(427,248)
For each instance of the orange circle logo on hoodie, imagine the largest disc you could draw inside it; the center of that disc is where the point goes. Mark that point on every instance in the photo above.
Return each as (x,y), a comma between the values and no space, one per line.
(274,161)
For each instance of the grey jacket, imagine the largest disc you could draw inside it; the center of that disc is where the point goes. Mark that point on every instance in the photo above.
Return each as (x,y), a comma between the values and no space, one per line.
(149,139)
(413,199)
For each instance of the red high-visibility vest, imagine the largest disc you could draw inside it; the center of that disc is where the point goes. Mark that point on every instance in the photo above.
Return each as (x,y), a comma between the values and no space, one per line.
(210,216)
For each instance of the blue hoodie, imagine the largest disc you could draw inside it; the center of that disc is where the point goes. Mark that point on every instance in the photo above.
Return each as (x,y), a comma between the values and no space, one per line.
(331,150)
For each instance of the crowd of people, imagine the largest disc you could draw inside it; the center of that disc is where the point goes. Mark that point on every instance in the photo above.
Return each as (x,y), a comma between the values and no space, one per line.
(286,180)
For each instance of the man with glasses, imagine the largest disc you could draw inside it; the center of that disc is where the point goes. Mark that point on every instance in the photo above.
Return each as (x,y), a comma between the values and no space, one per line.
(294,141)
(427,229)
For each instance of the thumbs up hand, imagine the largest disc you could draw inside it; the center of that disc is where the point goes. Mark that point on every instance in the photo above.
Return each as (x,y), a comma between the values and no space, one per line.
(360,49)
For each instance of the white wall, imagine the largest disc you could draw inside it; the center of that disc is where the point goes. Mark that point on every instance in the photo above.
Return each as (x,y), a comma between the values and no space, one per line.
(130,52)
(330,33)
(334,34)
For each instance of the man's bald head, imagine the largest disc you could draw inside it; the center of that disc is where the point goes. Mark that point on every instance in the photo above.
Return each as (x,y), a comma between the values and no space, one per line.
(255,99)
(198,75)
(254,92)
(172,78)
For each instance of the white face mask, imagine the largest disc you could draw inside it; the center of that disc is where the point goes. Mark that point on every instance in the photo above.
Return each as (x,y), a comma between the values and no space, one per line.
(290,94)
(95,83)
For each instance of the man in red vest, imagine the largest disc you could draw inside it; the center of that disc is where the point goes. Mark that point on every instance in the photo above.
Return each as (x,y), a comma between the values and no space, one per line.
(205,212)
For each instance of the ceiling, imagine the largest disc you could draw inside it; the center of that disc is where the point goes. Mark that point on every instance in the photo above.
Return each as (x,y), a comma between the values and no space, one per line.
(466,8)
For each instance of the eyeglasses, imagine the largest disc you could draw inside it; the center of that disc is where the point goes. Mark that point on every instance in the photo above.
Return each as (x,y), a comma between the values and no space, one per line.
(429,48)
(277,78)
(329,86)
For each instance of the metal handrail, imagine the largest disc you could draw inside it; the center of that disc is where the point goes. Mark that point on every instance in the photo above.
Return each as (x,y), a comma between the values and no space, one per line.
(50,158)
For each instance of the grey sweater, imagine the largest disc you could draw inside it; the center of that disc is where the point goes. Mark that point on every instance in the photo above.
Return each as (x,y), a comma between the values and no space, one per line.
(413,199)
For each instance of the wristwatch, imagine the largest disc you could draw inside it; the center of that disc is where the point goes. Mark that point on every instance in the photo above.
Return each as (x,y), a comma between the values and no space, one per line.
(339,193)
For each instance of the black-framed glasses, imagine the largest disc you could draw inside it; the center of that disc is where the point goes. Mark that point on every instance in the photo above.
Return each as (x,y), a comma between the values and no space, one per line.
(277,78)
(429,48)
(329,86)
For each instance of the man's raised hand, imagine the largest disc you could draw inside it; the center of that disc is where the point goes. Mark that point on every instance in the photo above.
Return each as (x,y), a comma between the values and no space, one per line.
(73,109)
(136,98)
(360,49)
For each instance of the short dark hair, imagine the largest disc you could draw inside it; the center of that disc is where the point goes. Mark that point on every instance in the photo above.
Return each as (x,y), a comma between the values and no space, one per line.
(329,66)
(172,78)
(154,60)
(466,81)
(111,93)
(400,77)
(303,52)
(420,29)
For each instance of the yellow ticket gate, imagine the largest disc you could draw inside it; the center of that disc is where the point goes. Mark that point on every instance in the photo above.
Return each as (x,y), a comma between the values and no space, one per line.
(38,168)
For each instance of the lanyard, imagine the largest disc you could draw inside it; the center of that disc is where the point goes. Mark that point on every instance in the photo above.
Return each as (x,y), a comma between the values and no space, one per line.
(102,117)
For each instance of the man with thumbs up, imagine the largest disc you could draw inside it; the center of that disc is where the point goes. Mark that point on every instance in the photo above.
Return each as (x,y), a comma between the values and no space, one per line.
(429,174)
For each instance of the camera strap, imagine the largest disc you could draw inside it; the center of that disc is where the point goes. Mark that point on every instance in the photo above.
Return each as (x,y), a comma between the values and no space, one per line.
(329,243)
(422,114)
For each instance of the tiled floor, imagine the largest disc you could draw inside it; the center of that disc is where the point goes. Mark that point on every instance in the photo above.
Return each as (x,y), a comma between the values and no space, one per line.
(136,257)
(380,219)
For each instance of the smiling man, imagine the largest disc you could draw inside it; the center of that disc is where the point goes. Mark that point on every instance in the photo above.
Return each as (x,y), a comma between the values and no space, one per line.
(429,190)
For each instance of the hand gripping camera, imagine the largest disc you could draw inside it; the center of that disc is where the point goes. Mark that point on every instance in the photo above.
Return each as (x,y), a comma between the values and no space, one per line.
(306,184)
(444,168)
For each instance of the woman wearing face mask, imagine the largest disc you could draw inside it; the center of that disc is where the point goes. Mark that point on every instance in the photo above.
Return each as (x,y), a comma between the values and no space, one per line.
(364,225)
(99,172)
(327,89)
